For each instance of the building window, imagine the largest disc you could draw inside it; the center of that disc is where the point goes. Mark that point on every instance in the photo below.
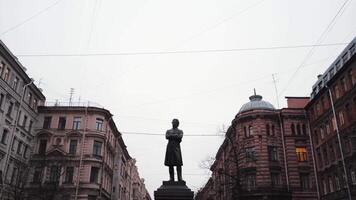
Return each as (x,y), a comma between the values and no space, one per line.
(250,131)
(245,131)
(299,132)
(29,98)
(94,175)
(343,84)
(42,148)
(348,111)
(325,156)
(331,185)
(24,155)
(250,182)
(250,154)
(47,122)
(34,103)
(30,126)
(275,179)
(336,91)
(272,129)
(351,78)
(37,175)
(15,83)
(304,129)
(6,76)
(341,118)
(325,187)
(19,148)
(304,181)
(322,133)
(97,148)
(337,183)
(272,153)
(316,138)
(267,129)
(2,66)
(9,110)
(4,136)
(1,99)
(301,154)
(24,121)
(99,124)
(332,152)
(14,175)
(73,147)
(55,172)
(327,129)
(69,174)
(62,123)
(76,123)
(353,177)
(292,127)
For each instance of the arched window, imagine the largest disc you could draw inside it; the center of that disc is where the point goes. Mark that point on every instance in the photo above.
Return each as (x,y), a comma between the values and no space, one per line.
(267,129)
(299,132)
(304,129)
(292,127)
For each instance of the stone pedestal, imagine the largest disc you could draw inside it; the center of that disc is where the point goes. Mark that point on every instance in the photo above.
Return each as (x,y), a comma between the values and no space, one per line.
(173,191)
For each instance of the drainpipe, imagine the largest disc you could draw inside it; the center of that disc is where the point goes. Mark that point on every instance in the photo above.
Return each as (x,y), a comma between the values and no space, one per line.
(12,137)
(313,156)
(81,153)
(340,146)
(284,149)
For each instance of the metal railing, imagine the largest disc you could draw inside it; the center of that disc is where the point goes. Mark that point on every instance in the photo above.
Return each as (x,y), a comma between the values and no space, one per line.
(73,104)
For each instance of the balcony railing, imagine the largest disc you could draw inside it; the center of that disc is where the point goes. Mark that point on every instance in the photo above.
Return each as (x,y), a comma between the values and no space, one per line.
(73,104)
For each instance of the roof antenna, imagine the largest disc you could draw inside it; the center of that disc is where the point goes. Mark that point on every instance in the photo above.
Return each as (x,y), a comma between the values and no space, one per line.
(254,91)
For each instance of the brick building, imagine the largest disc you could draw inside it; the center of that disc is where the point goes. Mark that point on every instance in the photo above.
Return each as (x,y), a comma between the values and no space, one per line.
(332,115)
(266,154)
(19,100)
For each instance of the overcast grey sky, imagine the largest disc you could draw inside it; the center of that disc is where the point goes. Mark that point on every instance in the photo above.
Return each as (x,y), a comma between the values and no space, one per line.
(203,90)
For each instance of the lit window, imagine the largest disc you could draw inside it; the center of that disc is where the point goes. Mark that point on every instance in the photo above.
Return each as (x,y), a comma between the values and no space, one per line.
(301,154)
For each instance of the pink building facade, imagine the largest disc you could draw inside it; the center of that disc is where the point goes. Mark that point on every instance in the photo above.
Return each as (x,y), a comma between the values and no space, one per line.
(78,154)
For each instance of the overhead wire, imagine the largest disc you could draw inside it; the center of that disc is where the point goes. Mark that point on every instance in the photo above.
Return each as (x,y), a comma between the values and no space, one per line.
(30,18)
(183,51)
(320,39)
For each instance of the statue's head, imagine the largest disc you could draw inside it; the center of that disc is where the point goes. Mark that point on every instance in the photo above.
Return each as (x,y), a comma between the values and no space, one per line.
(175,123)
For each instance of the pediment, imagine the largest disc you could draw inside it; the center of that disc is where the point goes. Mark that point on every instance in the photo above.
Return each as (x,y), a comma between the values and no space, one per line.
(56,152)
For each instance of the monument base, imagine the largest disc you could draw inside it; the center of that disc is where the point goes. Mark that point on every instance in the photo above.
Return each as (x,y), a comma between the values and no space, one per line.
(171,190)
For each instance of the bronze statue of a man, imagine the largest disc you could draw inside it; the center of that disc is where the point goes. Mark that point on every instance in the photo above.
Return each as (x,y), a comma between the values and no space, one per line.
(173,152)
